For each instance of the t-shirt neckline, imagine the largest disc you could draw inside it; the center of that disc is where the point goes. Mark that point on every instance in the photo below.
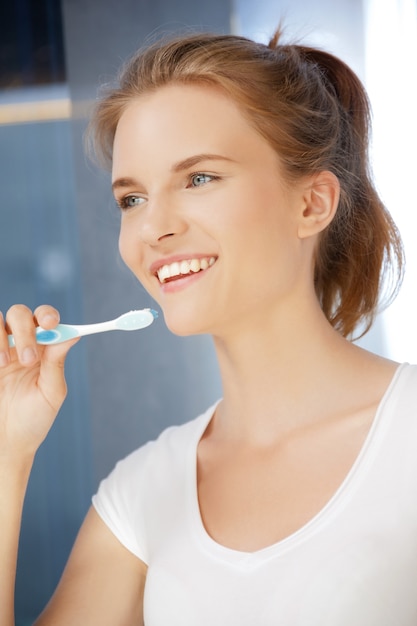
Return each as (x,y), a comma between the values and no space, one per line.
(239,557)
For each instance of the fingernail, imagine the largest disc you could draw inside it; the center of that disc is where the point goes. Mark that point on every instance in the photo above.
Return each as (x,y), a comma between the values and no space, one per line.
(29,355)
(4,359)
(50,319)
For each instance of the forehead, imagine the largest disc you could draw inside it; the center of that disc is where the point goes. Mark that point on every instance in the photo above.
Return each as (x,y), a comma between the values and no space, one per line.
(179,120)
(182,103)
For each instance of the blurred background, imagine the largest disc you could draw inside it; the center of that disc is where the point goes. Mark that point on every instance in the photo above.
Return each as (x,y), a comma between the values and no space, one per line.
(59,225)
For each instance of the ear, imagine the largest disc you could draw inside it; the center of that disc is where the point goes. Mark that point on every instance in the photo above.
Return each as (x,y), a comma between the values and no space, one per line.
(320,201)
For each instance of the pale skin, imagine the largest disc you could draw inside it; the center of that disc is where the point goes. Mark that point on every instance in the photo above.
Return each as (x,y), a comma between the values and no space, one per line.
(298,399)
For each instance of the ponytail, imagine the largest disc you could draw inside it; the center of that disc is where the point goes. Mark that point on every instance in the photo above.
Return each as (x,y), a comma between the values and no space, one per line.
(359,261)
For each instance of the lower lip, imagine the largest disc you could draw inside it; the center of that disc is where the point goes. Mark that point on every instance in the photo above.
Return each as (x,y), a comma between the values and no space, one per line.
(182,283)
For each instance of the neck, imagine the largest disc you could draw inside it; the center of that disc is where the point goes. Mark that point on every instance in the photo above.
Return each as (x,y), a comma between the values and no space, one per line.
(275,372)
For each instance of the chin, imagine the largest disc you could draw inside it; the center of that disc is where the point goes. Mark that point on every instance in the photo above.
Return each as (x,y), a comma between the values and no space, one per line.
(184,324)
(182,329)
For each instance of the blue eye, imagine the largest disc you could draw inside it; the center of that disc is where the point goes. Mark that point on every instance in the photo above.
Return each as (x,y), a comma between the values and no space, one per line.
(130,202)
(200,179)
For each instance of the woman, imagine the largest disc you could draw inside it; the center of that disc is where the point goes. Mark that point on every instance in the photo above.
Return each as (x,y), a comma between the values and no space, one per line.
(247,212)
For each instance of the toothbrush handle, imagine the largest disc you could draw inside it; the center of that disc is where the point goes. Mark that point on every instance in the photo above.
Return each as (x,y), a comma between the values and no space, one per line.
(44,337)
(134,320)
(63,332)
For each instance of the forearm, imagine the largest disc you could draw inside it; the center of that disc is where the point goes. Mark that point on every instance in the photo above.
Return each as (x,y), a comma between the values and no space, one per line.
(14,477)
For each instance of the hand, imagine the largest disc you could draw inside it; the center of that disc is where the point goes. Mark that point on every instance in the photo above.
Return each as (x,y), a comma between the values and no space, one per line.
(32,381)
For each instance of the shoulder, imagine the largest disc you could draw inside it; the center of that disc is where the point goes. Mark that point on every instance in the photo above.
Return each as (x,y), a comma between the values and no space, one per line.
(399,404)
(162,456)
(403,387)
(170,444)
(146,486)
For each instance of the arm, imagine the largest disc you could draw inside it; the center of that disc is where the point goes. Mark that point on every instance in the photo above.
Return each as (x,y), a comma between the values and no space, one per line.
(13,481)
(32,390)
(102,584)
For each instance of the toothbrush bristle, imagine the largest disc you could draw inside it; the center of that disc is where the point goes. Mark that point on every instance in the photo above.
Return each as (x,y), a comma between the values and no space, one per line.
(136,319)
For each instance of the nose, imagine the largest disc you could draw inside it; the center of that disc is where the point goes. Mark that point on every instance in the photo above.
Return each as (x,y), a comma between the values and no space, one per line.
(158,220)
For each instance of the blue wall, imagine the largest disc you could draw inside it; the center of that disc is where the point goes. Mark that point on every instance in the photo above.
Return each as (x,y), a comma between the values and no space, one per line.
(39,262)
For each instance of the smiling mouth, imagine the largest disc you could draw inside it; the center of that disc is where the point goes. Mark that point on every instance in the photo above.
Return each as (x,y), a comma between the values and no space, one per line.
(179,269)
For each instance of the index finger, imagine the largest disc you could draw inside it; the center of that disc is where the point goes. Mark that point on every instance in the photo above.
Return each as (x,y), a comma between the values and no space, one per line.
(20,323)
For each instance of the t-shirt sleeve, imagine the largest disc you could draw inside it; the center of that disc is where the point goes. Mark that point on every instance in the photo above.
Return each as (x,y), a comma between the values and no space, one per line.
(147,491)
(121,501)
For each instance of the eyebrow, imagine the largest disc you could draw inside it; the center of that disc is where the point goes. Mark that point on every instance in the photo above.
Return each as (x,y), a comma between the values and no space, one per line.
(197,158)
(180,166)
(124,182)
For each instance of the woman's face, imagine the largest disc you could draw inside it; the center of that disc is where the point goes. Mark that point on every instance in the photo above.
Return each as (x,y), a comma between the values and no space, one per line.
(208,225)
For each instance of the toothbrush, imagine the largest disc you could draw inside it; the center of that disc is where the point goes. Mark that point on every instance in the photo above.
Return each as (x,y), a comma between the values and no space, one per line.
(134,320)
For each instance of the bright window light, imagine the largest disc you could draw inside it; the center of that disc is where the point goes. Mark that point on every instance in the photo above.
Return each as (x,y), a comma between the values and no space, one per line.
(391,80)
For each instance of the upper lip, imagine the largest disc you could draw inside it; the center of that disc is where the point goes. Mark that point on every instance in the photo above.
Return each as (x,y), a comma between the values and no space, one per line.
(156,265)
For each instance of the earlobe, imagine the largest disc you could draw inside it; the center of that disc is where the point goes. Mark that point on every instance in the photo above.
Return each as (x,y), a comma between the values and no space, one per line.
(321,198)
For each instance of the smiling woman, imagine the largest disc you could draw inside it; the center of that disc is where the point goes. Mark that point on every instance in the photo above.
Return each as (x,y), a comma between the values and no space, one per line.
(312,124)
(248,213)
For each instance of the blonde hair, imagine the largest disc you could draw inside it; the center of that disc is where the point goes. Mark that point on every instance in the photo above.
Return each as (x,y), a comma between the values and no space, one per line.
(313,110)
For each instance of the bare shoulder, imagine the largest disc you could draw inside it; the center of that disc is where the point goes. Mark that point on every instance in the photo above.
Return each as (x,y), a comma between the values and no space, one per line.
(102,583)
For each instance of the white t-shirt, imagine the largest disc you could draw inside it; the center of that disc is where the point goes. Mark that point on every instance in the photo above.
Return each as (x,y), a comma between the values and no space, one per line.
(353,564)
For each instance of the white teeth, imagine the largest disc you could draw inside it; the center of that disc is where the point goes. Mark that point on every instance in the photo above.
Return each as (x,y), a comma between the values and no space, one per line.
(175,269)
(163,273)
(184,267)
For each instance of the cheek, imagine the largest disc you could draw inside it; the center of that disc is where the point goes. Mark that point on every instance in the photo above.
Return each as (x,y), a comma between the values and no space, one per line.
(123,246)
(129,250)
